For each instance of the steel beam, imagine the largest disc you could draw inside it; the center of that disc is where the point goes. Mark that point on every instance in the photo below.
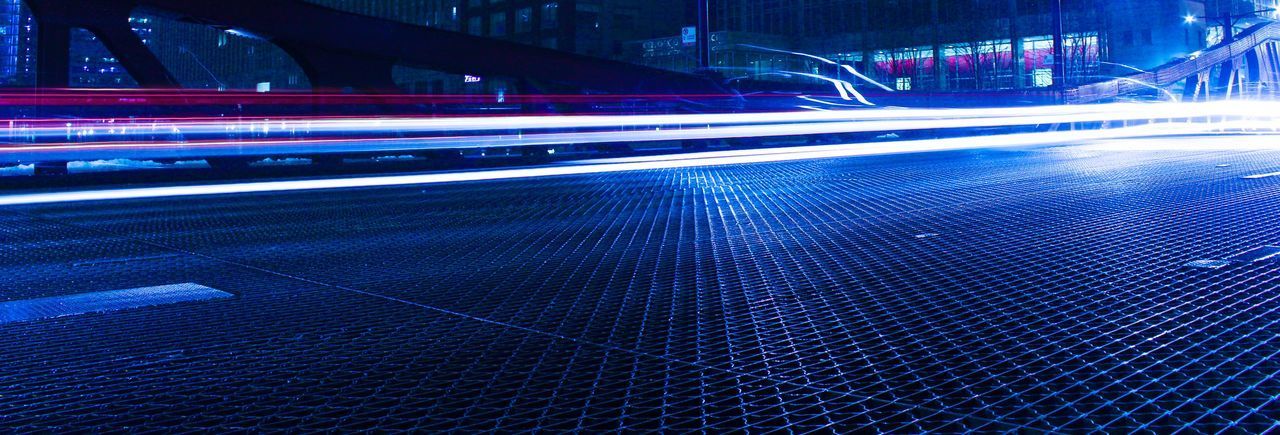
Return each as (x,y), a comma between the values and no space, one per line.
(106,19)
(360,39)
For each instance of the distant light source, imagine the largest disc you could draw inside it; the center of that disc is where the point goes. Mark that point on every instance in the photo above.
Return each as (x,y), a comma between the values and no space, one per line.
(243,34)
(1189,19)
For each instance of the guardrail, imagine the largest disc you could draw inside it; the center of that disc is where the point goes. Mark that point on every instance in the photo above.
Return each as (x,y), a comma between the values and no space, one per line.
(1171,73)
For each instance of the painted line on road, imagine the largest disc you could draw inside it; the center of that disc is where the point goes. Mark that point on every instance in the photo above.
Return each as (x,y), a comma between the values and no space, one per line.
(105,301)
(1260,176)
(1262,253)
(125,260)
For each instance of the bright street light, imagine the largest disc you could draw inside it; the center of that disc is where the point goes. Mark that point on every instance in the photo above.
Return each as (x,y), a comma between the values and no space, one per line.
(1189,19)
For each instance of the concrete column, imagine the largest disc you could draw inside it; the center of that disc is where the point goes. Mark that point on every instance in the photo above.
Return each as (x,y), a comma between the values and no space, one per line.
(53,55)
(704,33)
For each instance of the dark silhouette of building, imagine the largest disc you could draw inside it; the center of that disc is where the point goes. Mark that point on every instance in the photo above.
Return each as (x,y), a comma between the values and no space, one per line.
(92,66)
(904,44)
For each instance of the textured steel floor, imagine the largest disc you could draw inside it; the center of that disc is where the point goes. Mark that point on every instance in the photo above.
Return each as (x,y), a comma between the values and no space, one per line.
(990,290)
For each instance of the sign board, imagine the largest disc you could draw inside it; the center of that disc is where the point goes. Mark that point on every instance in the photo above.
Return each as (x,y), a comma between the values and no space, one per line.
(1042,77)
(689,35)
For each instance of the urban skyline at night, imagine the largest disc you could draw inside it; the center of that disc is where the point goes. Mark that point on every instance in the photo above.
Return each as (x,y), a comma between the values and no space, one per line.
(1102,38)
(654,216)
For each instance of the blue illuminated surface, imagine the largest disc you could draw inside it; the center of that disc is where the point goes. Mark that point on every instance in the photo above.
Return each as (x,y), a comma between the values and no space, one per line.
(1052,293)
(104,301)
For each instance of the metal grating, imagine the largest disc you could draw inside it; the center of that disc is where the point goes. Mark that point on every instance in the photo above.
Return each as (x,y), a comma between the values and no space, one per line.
(1051,292)
(105,301)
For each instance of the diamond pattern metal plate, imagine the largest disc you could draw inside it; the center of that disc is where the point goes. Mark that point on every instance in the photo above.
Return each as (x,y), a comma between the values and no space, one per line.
(1044,289)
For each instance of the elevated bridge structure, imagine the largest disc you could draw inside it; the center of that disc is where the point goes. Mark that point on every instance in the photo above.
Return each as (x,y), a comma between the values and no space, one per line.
(336,50)
(1249,65)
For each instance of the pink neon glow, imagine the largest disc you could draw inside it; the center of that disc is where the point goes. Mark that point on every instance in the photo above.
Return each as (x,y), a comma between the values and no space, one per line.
(97,139)
(691,160)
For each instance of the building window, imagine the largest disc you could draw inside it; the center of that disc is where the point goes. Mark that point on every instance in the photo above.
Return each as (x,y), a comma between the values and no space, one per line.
(498,24)
(904,83)
(524,20)
(550,15)
(1042,77)
(475,26)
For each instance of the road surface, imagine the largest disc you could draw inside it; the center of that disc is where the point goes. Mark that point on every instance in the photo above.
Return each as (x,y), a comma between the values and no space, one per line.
(1057,288)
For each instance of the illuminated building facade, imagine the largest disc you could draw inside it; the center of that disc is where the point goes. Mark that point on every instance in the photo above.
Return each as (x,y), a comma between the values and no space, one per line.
(91,66)
(17,50)
(951,44)
(905,44)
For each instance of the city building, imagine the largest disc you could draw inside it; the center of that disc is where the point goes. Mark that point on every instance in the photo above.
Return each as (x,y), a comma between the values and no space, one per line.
(92,66)
(954,45)
(916,45)
(597,28)
(444,14)
(17,47)
(200,57)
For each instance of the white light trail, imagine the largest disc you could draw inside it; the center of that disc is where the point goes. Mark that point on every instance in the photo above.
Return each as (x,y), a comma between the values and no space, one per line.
(637,164)
(864,78)
(122,130)
(721,126)
(845,89)
(848,68)
(277,147)
(1261,176)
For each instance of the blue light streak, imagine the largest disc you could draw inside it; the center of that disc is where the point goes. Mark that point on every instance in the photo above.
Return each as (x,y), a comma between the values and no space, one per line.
(111,140)
(735,157)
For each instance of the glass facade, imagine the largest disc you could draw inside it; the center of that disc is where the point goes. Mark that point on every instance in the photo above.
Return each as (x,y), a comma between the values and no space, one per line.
(17,48)
(944,44)
(444,14)
(918,44)
(92,66)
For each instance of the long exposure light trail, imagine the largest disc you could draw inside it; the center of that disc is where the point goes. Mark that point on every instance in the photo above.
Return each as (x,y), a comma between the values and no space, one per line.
(124,128)
(481,141)
(708,127)
(689,160)
(56,128)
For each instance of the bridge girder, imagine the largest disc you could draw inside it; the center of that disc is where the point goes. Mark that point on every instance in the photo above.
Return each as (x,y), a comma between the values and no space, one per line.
(337,49)
(1222,71)
(108,20)
(1257,68)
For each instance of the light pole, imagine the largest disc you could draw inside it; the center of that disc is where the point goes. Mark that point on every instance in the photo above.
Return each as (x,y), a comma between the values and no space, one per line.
(1059,57)
(704,34)
(1228,21)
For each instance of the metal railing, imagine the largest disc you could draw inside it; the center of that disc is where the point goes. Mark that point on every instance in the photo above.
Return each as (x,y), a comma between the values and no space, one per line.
(1171,73)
